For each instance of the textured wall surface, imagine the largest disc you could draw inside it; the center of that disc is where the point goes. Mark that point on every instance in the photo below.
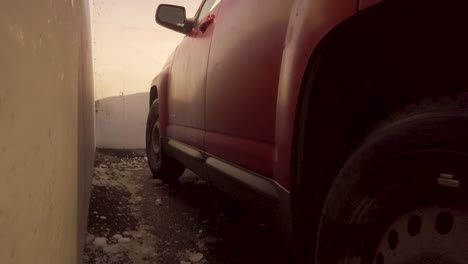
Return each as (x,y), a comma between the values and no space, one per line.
(45,104)
(129,50)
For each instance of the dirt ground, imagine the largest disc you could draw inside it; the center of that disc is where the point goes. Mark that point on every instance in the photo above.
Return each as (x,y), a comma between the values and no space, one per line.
(134,218)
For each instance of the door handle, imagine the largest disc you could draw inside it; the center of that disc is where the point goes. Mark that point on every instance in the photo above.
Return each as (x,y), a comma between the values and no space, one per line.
(205,23)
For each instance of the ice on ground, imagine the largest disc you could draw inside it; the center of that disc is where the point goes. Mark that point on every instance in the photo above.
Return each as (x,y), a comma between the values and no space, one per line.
(197,257)
(191,256)
(117,236)
(100,241)
(111,249)
(123,240)
(159,202)
(89,238)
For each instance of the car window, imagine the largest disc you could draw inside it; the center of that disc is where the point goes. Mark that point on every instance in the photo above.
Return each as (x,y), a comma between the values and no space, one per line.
(207,7)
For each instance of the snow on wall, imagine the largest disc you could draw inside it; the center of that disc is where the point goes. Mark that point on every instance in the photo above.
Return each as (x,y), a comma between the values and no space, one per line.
(129,50)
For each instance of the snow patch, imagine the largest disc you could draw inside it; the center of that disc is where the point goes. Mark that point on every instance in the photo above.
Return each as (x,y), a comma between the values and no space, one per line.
(124,240)
(100,241)
(117,237)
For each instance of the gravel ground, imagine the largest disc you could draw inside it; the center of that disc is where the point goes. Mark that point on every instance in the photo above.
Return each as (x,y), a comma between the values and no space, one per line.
(134,218)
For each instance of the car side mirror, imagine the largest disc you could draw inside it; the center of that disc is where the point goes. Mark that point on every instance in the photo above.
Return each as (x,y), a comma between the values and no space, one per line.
(173,17)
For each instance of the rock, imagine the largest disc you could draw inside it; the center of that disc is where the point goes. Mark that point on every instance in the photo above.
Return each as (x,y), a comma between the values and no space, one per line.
(111,249)
(123,240)
(100,242)
(159,202)
(157,182)
(147,251)
(211,240)
(89,238)
(137,234)
(201,245)
(117,236)
(196,257)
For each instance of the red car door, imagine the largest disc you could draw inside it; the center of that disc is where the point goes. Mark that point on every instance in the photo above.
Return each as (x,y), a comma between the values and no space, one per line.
(186,98)
(242,84)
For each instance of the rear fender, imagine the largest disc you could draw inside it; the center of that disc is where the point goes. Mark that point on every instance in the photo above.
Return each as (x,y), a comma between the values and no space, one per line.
(161,84)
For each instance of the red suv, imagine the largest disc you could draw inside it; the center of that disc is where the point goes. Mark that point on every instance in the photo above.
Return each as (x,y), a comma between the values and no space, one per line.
(347,118)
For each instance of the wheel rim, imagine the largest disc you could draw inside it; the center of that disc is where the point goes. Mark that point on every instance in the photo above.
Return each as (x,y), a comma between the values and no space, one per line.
(423,184)
(156,139)
(426,235)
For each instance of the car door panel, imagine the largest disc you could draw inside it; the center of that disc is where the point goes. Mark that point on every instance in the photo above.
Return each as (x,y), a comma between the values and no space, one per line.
(241,91)
(231,148)
(186,94)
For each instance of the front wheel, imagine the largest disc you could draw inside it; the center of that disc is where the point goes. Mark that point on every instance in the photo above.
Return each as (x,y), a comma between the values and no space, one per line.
(163,167)
(402,196)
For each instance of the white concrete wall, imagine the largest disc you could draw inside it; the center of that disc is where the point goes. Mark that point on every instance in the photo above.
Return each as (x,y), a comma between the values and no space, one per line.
(46,114)
(129,50)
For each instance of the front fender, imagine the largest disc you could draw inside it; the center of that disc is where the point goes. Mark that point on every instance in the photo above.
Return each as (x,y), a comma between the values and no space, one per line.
(309,23)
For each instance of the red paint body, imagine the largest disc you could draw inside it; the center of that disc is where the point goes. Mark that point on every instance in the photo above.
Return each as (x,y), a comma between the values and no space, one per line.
(232,90)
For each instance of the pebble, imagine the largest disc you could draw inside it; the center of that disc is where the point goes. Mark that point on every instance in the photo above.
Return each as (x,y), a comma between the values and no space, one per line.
(124,240)
(201,245)
(211,240)
(159,202)
(196,257)
(111,249)
(117,236)
(103,217)
(100,241)
(158,182)
(89,238)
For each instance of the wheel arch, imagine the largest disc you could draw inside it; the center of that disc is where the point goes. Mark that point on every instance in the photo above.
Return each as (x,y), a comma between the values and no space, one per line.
(328,110)
(159,90)
(153,94)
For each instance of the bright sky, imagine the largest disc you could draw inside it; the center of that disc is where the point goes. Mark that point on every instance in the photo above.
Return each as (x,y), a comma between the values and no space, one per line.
(129,47)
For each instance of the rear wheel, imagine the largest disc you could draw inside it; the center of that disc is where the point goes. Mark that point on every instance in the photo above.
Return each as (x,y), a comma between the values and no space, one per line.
(401,197)
(163,167)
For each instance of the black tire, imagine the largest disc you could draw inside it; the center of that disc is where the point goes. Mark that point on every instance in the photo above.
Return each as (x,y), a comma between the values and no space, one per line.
(414,163)
(162,166)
